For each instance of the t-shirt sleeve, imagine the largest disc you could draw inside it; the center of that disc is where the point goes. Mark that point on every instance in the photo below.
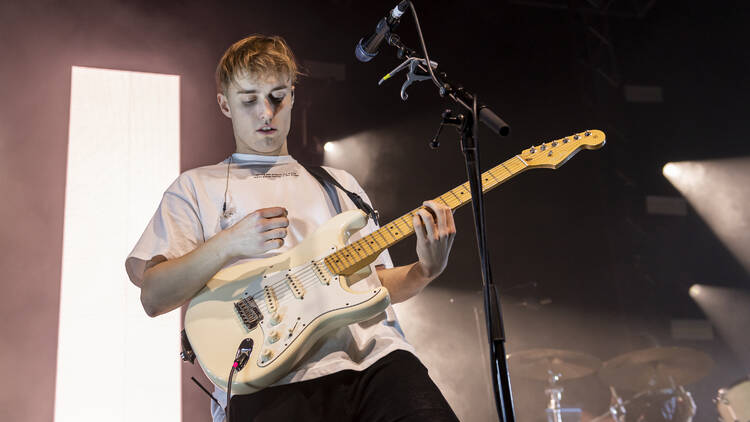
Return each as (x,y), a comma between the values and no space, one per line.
(349,182)
(172,232)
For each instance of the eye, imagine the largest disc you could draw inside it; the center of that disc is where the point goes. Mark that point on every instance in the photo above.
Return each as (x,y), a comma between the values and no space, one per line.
(249,100)
(278,96)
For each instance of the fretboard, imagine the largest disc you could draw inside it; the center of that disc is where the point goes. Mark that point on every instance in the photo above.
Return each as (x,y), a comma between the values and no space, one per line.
(356,255)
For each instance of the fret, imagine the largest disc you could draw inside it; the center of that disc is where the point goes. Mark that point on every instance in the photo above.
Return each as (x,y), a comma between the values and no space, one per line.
(407,221)
(346,256)
(371,240)
(360,253)
(364,244)
(338,258)
(506,168)
(486,183)
(386,242)
(382,243)
(497,182)
(355,250)
(500,177)
(444,201)
(393,230)
(386,234)
(463,193)
(334,267)
(454,194)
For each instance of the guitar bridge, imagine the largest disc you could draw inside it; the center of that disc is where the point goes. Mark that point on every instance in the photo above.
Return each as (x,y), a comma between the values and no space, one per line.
(249,312)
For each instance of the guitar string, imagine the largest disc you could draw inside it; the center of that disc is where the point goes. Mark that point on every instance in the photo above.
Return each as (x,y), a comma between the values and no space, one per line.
(307,281)
(400,223)
(307,275)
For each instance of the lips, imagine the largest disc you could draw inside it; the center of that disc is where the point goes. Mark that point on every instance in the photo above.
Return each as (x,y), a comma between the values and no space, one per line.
(267,130)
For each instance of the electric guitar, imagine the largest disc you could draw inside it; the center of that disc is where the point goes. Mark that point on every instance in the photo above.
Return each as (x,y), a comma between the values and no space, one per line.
(285,303)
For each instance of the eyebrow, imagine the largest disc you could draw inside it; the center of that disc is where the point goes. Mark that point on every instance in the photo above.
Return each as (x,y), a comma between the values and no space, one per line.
(254,91)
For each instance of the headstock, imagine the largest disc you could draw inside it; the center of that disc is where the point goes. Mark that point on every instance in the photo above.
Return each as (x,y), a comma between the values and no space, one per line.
(555,153)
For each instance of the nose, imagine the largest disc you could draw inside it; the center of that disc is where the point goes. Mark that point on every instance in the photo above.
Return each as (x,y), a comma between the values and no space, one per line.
(267,110)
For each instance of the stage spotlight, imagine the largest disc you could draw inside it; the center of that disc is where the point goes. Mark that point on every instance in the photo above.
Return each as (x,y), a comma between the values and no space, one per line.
(670,170)
(695,290)
(359,148)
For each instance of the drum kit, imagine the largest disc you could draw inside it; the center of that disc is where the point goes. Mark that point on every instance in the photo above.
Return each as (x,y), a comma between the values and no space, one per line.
(658,374)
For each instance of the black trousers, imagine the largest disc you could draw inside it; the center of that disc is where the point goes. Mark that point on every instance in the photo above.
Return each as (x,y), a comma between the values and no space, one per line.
(395,388)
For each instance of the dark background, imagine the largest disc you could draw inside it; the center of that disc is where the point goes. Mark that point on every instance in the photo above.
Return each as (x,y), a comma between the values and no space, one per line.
(581,237)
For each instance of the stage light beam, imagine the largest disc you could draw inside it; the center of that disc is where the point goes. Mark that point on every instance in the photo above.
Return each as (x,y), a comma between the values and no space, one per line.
(728,309)
(719,191)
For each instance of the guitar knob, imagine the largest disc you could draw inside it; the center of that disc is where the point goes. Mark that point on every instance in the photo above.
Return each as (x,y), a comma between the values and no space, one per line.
(276,318)
(273,336)
(266,355)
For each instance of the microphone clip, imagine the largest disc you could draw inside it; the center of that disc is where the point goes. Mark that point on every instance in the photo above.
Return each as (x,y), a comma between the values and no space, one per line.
(417,72)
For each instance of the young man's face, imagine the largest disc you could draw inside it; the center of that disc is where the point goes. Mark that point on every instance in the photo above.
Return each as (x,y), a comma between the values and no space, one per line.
(260,107)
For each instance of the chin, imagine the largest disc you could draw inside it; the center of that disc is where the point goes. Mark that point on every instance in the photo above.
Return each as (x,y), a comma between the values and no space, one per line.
(264,146)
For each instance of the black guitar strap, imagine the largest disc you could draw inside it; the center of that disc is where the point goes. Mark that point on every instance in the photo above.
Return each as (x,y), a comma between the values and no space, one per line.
(330,184)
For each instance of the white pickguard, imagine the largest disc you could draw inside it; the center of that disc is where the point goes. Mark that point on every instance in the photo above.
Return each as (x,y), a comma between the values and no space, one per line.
(319,299)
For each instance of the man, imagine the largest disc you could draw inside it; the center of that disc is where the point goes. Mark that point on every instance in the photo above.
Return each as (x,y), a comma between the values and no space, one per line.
(260,202)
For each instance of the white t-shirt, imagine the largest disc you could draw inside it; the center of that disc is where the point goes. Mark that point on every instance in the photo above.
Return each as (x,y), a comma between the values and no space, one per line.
(191,213)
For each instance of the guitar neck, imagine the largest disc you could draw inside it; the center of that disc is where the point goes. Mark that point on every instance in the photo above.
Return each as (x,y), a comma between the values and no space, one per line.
(356,255)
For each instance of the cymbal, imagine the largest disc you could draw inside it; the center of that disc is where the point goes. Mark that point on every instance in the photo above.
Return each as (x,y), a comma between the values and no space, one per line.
(656,368)
(537,364)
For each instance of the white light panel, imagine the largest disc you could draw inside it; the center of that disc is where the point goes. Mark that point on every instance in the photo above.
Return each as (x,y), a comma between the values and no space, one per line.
(114,363)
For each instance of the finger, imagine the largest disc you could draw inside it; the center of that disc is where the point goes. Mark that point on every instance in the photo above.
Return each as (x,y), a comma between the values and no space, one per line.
(274,234)
(440,211)
(429,223)
(418,226)
(271,212)
(273,244)
(274,223)
(451,222)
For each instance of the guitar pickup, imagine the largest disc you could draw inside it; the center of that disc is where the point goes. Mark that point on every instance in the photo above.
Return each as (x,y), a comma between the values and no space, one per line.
(295,286)
(322,272)
(249,312)
(271,302)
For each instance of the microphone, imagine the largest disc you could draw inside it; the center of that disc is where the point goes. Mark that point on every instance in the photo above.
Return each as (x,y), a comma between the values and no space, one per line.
(366,50)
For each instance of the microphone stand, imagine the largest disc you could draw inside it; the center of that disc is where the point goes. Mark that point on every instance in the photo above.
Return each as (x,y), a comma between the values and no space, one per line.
(467,123)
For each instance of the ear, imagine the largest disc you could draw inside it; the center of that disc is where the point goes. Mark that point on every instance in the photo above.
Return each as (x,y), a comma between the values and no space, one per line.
(224,104)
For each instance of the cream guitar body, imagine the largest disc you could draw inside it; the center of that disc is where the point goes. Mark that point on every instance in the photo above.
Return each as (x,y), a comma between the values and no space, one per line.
(299,301)
(284,304)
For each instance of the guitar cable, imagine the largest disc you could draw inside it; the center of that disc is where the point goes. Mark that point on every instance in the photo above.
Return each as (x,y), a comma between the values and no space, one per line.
(240,360)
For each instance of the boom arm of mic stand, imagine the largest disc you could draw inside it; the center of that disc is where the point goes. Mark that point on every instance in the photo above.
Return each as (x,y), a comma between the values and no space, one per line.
(486,115)
(466,99)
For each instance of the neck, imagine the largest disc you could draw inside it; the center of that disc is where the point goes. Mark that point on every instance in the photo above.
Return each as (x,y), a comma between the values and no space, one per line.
(356,255)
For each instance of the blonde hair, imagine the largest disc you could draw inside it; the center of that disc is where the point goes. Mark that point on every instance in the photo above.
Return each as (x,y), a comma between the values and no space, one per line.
(258,54)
